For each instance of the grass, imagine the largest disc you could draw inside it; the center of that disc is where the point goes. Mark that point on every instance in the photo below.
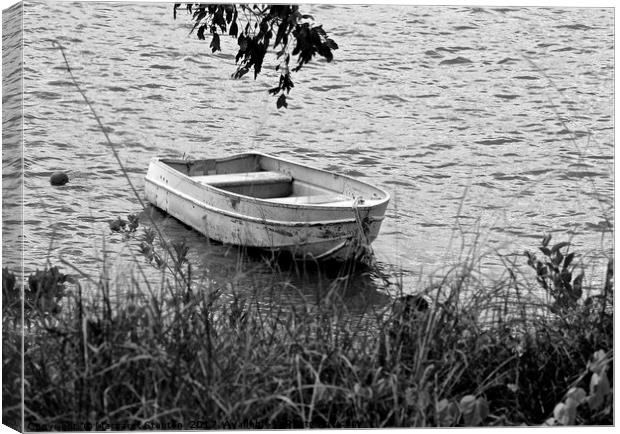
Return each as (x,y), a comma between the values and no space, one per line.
(206,355)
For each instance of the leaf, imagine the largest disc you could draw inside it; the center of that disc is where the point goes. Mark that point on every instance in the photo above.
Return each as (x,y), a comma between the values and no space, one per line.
(576,293)
(561,414)
(357,388)
(215,43)
(219,20)
(447,413)
(285,80)
(411,396)
(599,389)
(602,384)
(558,246)
(326,52)
(258,54)
(529,257)
(568,259)
(474,410)
(241,72)
(201,32)
(546,239)
(545,250)
(571,411)
(281,32)
(468,405)
(577,283)
(234,30)
(599,362)
(595,401)
(242,41)
(332,44)
(577,393)
(281,101)
(319,30)
(483,409)
(566,277)
(267,37)
(198,16)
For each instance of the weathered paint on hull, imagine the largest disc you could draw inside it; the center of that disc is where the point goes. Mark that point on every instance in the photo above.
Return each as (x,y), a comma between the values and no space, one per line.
(314,232)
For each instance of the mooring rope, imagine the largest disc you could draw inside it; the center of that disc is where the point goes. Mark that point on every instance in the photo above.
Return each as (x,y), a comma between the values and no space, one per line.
(362,237)
(56,44)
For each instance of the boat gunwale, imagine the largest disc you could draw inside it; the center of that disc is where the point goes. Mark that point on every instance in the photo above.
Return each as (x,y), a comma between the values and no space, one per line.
(360,206)
(264,221)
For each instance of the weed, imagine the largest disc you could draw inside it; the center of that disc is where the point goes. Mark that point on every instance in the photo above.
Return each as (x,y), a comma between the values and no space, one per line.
(126,227)
(555,274)
(464,354)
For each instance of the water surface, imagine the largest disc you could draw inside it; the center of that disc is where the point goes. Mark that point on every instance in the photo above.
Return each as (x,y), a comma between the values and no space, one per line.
(487,125)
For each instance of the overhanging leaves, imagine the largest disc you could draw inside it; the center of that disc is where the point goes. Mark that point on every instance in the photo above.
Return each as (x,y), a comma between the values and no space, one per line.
(215,43)
(259,28)
(282,101)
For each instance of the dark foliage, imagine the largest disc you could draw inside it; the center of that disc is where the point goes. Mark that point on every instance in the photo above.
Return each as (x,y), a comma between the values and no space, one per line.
(555,273)
(231,359)
(259,29)
(11,350)
(11,296)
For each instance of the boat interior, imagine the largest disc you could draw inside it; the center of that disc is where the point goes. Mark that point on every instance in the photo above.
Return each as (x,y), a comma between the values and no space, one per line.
(250,177)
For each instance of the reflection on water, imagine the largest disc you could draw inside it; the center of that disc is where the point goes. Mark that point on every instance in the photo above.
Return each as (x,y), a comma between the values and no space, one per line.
(222,265)
(490,121)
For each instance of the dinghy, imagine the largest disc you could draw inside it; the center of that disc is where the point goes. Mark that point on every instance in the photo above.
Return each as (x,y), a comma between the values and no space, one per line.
(260,201)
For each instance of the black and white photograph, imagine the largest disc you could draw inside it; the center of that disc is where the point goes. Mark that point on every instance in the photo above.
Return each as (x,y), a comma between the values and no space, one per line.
(226,216)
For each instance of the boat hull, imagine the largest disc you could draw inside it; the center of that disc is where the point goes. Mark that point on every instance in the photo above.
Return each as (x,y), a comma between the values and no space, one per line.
(340,230)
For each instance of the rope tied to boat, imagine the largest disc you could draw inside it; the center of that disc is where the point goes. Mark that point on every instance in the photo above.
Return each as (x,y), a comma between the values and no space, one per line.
(362,241)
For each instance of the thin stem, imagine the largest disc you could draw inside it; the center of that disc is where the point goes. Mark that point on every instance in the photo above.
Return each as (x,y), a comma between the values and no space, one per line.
(116,155)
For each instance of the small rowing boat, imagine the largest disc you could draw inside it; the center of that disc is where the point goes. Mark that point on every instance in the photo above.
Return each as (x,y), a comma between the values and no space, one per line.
(261,201)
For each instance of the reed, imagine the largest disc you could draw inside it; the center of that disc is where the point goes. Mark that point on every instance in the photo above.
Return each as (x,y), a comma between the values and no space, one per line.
(203,355)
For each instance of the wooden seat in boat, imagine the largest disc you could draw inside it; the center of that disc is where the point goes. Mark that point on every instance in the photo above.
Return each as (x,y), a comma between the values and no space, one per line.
(316,199)
(263,184)
(236,179)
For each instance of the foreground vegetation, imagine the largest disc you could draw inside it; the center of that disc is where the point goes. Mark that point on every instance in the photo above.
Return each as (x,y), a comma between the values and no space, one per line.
(200,355)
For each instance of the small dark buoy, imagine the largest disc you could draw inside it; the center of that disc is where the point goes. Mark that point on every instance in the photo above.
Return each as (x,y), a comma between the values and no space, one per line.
(117,225)
(59,178)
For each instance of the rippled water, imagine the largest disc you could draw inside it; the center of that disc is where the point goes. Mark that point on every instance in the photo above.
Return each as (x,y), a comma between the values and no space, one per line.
(489,121)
